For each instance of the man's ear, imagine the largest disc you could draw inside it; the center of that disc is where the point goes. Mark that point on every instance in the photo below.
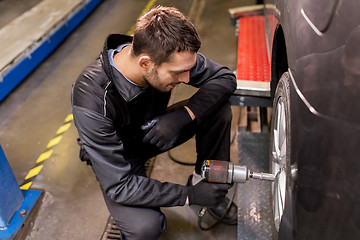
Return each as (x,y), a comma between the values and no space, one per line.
(145,62)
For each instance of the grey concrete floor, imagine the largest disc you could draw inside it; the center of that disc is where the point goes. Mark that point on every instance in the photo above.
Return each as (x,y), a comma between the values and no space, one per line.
(72,207)
(11,9)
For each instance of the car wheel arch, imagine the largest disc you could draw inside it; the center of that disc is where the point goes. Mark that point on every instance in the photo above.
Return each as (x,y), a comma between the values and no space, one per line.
(279,58)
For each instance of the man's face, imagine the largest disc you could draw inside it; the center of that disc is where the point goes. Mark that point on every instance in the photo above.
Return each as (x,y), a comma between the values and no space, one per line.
(176,70)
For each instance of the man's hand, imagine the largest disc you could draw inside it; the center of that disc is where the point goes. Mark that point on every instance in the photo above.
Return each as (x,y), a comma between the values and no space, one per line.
(163,131)
(207,194)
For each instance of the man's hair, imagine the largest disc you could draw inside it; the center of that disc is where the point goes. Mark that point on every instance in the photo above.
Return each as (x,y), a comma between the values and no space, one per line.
(163,30)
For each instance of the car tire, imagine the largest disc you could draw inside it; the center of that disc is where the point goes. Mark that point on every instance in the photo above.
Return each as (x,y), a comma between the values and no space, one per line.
(281,192)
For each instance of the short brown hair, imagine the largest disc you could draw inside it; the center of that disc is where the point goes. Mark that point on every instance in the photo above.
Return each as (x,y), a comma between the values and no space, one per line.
(163,30)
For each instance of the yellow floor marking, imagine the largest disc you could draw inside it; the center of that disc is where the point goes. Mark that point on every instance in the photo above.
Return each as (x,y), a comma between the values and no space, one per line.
(63,128)
(26,186)
(54,141)
(69,118)
(146,9)
(33,172)
(44,156)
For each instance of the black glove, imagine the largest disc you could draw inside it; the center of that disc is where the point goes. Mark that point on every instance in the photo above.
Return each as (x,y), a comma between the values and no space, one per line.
(163,131)
(207,194)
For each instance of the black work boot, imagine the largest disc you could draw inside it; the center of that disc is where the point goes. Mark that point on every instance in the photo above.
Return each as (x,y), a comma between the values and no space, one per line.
(217,212)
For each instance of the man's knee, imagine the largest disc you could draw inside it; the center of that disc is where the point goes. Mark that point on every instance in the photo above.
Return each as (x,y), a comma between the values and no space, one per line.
(150,226)
(149,229)
(220,116)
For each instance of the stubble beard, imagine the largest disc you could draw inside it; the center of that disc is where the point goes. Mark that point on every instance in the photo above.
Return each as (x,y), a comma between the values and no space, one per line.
(153,77)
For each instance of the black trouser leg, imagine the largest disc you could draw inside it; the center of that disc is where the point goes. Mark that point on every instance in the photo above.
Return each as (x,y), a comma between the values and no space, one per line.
(213,137)
(137,223)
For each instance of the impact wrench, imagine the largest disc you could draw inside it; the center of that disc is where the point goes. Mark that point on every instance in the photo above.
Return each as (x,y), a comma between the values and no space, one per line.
(227,172)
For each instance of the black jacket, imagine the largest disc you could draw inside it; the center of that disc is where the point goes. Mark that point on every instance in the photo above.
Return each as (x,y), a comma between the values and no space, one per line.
(109,110)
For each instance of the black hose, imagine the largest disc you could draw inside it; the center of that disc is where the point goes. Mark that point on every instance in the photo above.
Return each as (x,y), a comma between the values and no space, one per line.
(204,209)
(179,162)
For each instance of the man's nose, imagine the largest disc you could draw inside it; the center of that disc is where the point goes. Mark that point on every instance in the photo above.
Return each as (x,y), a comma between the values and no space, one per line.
(184,77)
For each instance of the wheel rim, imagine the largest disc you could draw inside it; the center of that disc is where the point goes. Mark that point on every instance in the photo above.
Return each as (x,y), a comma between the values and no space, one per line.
(279,162)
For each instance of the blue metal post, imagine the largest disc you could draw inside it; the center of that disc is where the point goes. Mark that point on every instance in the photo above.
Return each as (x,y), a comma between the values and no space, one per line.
(15,204)
(11,196)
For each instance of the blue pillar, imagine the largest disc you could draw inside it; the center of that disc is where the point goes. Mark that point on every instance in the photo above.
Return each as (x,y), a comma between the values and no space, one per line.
(10,193)
(15,204)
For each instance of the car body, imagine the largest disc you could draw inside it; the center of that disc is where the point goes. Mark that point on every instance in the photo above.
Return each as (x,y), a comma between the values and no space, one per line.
(315,139)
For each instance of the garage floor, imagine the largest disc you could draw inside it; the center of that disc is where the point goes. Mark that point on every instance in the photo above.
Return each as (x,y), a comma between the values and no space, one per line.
(73,207)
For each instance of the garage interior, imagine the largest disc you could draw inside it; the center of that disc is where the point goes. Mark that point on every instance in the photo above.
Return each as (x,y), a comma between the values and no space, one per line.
(36,121)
